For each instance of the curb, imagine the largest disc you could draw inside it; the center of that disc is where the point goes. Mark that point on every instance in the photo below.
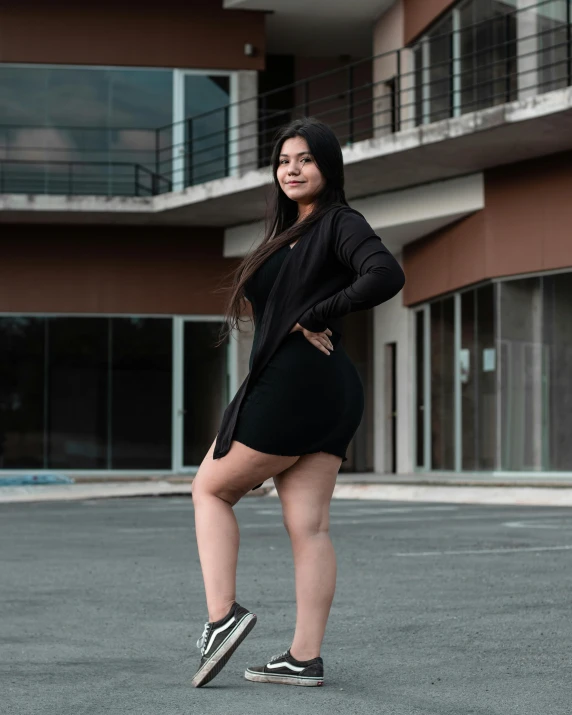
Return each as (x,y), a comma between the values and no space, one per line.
(457,494)
(98,490)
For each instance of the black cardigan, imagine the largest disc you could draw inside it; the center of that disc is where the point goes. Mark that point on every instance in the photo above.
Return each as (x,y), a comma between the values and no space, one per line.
(338,267)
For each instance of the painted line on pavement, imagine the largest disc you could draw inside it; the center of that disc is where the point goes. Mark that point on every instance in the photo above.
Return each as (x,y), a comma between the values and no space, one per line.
(507,550)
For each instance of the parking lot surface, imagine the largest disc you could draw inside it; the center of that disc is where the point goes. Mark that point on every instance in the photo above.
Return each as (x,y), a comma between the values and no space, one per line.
(441,609)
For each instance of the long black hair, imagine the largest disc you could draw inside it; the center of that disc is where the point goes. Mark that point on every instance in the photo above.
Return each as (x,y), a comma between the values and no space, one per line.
(281,227)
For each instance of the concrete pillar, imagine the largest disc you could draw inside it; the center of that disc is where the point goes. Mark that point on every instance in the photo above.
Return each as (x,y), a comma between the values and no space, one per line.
(393,324)
(387,39)
(243,123)
(527,50)
(407,89)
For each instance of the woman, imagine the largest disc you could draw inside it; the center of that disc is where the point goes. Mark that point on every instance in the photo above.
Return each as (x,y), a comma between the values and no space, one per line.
(299,407)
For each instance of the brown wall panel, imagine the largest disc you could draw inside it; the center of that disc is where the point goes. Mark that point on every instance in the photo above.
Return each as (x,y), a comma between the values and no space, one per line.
(529,213)
(446,260)
(159,35)
(525,227)
(109,269)
(419,14)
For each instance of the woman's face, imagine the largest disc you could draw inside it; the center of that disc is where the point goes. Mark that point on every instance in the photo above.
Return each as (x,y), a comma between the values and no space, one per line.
(298,174)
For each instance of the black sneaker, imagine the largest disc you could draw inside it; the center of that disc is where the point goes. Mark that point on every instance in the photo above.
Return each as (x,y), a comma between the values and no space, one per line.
(286,670)
(219,641)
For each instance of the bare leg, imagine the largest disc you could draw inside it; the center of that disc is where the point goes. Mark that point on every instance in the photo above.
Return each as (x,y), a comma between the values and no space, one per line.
(218,485)
(305,491)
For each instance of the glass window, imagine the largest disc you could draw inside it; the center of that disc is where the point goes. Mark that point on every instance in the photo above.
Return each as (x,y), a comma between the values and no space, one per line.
(22,361)
(557,373)
(553,45)
(207,136)
(77,388)
(206,388)
(440,70)
(141,390)
(65,114)
(442,384)
(484,56)
(478,371)
(521,374)
(515,379)
(487,54)
(85,393)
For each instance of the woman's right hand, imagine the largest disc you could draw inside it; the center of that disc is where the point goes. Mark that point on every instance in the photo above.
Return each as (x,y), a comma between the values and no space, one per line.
(319,340)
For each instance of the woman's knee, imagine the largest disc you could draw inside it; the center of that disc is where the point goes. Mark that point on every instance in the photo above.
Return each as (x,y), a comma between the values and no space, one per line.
(306,525)
(202,490)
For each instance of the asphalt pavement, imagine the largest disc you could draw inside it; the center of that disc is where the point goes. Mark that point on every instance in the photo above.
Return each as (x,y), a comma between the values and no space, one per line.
(441,609)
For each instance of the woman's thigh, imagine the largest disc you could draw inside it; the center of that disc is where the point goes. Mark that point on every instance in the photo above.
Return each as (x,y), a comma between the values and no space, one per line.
(242,468)
(305,490)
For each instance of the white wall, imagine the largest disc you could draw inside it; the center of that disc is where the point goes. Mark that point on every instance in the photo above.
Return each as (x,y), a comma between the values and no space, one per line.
(393,323)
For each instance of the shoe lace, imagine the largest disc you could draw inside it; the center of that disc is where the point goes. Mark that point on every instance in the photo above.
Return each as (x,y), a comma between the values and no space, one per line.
(279,656)
(202,641)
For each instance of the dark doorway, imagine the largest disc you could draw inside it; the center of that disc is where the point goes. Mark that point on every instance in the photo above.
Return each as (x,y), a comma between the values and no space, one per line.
(391,408)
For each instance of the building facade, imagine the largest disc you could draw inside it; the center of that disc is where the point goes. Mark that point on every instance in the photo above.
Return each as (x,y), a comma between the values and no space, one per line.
(134,157)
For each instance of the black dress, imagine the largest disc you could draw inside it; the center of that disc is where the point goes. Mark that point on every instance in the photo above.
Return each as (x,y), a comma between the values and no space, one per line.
(303,401)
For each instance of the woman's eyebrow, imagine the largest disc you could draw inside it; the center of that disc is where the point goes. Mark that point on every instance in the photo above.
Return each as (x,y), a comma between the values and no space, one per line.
(299,153)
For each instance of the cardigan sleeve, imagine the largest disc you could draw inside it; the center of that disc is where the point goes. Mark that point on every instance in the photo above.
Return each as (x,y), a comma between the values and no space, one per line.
(379,276)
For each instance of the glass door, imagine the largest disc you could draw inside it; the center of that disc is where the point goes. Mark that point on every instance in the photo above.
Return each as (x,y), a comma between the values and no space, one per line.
(203,382)
(201,106)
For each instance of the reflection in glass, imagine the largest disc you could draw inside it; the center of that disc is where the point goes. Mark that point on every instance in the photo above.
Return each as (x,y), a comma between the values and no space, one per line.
(440,69)
(66,114)
(442,384)
(22,356)
(206,388)
(207,136)
(488,54)
(141,390)
(521,370)
(486,390)
(557,373)
(553,44)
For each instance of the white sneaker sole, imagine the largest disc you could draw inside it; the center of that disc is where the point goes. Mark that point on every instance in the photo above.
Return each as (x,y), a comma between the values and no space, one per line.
(222,655)
(282,679)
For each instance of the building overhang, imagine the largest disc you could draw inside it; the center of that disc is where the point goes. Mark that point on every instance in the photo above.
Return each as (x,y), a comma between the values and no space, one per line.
(320,28)
(399,217)
(506,134)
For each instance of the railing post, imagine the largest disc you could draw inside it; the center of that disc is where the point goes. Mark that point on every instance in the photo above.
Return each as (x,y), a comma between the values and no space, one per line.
(226,110)
(136,179)
(70,179)
(508,57)
(188,155)
(569,39)
(157,151)
(262,146)
(397,100)
(351,104)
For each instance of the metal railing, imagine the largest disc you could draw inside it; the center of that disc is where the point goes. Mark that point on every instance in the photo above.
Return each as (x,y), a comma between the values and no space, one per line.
(441,77)
(77,178)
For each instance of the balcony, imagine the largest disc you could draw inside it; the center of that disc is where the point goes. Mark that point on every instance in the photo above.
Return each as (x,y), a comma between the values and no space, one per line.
(416,115)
